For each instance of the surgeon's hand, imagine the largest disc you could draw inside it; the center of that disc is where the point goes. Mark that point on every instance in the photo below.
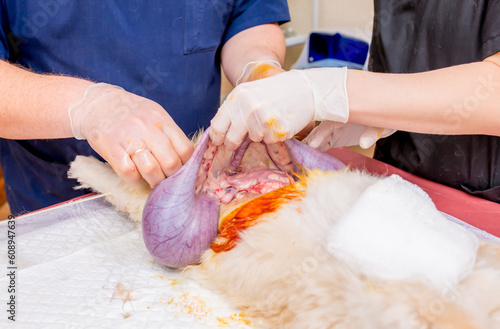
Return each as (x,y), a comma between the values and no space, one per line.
(276,108)
(134,134)
(330,134)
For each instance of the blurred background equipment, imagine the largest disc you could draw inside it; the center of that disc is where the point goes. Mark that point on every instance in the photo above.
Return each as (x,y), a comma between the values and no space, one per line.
(336,50)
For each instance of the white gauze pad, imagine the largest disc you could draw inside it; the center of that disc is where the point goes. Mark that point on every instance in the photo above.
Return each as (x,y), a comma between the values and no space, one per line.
(394,231)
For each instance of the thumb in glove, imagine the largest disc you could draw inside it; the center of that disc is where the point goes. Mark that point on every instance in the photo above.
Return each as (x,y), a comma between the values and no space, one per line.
(329,134)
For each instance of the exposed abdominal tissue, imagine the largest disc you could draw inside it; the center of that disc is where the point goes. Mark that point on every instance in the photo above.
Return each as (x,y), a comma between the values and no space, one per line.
(257,172)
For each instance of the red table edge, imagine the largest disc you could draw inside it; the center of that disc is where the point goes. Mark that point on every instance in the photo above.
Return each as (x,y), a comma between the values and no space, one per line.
(478,212)
(78,198)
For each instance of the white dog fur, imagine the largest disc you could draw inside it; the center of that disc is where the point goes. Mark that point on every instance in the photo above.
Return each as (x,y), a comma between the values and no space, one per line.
(280,272)
(100,177)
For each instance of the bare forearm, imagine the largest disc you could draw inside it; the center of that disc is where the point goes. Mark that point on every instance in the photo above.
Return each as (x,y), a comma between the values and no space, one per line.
(36,106)
(463,99)
(257,43)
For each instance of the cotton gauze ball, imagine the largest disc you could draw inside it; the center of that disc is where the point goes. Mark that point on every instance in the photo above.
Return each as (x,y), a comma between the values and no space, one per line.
(394,231)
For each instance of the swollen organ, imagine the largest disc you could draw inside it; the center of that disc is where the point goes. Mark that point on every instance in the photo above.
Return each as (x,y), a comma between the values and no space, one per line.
(181,215)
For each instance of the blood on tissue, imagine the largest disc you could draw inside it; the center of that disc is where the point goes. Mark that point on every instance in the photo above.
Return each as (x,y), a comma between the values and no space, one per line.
(250,214)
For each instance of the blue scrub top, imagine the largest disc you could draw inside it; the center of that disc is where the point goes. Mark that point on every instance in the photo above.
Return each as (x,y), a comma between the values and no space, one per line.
(168,51)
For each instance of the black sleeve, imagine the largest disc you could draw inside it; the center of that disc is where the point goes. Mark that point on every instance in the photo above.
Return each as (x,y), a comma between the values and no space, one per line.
(491,29)
(4,30)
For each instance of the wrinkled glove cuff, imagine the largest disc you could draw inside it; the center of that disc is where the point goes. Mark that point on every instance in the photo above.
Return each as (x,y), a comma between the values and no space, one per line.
(79,111)
(329,91)
(249,72)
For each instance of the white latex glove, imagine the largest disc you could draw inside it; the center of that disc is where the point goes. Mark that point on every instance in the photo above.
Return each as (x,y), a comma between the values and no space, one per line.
(330,134)
(134,134)
(276,108)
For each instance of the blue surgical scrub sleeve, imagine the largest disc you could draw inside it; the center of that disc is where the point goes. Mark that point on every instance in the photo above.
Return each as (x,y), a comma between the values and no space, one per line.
(251,13)
(164,50)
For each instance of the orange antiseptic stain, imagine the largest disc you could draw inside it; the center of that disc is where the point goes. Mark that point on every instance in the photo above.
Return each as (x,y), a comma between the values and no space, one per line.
(158,125)
(229,321)
(264,71)
(276,128)
(191,305)
(174,282)
(249,213)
